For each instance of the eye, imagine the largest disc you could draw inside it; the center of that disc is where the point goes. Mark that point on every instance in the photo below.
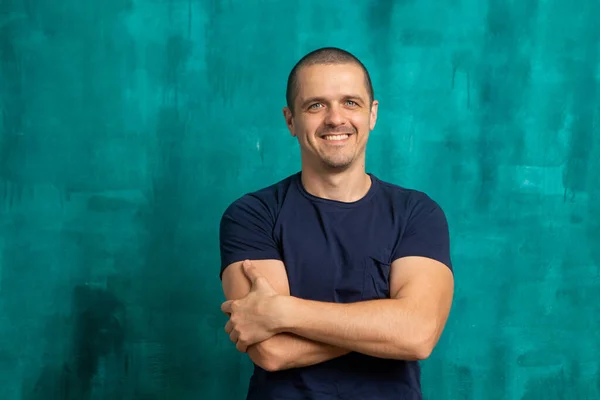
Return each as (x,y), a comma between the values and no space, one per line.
(313,106)
(351,103)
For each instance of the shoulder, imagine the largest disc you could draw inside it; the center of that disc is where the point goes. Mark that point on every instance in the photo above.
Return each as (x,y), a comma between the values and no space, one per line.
(247,224)
(263,203)
(423,227)
(409,201)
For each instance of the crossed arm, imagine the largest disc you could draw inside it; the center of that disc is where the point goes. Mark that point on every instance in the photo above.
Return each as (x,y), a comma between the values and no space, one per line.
(284,350)
(406,326)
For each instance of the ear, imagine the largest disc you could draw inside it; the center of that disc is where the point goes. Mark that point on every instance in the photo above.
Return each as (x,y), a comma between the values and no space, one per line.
(373,116)
(289,120)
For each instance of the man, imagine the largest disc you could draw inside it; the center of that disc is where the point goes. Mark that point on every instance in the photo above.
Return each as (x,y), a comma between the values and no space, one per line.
(337,283)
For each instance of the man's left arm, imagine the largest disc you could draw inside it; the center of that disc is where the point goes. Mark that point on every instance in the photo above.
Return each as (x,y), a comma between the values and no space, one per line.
(407,326)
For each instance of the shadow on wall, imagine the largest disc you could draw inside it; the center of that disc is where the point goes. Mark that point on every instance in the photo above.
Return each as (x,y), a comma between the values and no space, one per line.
(97,349)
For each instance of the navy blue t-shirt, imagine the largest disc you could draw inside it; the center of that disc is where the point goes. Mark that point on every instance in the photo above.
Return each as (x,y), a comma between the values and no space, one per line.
(336,252)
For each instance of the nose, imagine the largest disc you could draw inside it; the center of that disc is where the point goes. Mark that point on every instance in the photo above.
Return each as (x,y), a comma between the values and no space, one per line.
(334,116)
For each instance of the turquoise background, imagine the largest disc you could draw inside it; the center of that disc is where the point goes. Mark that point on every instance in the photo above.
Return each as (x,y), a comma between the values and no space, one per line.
(127,126)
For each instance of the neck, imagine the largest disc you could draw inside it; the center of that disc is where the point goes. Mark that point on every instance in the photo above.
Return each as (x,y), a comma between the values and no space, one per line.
(347,185)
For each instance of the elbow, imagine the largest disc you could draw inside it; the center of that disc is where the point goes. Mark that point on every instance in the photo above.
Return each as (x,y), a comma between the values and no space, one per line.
(422,352)
(427,340)
(421,347)
(418,351)
(271,365)
(265,355)
(414,352)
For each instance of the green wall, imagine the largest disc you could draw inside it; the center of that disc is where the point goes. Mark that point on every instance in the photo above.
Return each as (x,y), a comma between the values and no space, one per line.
(127,126)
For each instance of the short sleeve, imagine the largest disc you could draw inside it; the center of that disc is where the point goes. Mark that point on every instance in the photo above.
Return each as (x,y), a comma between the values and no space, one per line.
(426,233)
(246,232)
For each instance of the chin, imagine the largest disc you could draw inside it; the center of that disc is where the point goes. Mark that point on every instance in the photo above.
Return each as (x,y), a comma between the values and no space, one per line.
(338,165)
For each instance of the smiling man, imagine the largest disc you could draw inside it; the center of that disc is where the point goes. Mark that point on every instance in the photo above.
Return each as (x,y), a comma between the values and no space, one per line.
(337,283)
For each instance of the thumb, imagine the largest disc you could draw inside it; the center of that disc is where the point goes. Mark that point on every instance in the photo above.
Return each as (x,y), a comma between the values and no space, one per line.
(250,271)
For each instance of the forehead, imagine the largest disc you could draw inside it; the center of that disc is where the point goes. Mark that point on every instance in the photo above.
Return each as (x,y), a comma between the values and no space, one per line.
(331,80)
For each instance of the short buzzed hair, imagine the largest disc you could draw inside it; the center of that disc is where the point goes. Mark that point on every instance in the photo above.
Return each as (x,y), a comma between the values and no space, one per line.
(323,56)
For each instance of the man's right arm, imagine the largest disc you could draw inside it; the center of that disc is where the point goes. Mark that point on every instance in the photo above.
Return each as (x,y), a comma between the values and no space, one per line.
(282,351)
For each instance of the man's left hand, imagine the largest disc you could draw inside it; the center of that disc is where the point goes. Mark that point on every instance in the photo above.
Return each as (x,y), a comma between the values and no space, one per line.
(251,317)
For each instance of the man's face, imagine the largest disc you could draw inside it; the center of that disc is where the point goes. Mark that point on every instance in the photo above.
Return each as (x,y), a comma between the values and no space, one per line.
(332,115)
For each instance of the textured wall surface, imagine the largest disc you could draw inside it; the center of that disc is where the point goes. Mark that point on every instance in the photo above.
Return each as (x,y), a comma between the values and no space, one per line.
(127,126)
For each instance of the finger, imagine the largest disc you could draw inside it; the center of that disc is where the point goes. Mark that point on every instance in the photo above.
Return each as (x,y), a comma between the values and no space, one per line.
(234,336)
(228,326)
(241,346)
(226,307)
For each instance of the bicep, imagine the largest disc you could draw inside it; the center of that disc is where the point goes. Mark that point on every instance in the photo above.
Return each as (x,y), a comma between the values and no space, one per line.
(236,285)
(424,283)
(422,270)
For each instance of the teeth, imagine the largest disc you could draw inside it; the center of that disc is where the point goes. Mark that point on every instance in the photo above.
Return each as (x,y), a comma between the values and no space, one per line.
(336,137)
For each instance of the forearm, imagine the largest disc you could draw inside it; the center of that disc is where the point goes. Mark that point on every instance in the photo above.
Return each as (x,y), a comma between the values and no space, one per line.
(286,350)
(386,328)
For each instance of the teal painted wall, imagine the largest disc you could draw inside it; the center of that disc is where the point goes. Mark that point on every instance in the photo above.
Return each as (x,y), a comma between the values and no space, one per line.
(127,126)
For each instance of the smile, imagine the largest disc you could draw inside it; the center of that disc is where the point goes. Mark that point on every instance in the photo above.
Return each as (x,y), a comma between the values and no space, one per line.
(336,138)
